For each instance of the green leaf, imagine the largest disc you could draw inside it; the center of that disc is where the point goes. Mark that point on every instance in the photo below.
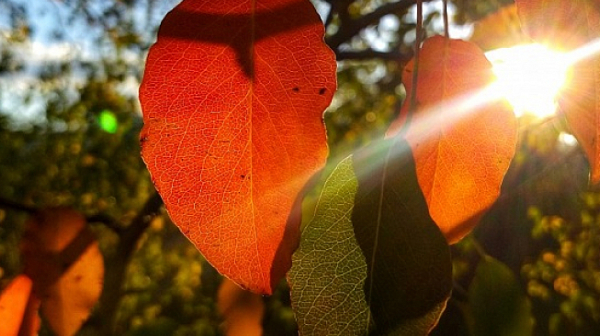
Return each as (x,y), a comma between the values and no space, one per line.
(408,259)
(328,269)
(371,261)
(498,306)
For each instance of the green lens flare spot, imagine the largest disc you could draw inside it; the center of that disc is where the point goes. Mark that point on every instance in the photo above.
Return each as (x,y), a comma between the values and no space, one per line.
(108,121)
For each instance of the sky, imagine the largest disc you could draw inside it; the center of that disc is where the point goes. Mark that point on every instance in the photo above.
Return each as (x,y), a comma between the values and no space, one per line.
(78,42)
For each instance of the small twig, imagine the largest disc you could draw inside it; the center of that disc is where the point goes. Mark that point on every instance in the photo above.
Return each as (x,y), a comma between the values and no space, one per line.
(8,204)
(445,15)
(107,221)
(332,10)
(478,247)
(144,217)
(134,291)
(367,54)
(458,288)
(412,108)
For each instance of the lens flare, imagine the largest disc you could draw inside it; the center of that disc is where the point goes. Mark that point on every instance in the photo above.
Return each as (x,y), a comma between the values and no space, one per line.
(108,121)
(529,77)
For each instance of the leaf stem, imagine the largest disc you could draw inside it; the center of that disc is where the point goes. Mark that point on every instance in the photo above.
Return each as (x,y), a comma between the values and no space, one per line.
(478,248)
(458,288)
(415,75)
(445,15)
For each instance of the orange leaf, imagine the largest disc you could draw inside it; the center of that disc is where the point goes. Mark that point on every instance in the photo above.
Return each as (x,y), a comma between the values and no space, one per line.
(62,258)
(233,96)
(242,311)
(567,25)
(500,29)
(461,153)
(13,305)
(580,102)
(560,24)
(31,319)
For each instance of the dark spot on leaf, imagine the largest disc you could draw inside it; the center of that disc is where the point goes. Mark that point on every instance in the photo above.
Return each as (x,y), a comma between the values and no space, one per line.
(322,91)
(78,278)
(296,89)
(143,139)
(242,176)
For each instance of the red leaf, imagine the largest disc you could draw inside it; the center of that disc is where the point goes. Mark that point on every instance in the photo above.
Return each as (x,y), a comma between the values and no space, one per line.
(501,29)
(461,154)
(566,25)
(233,97)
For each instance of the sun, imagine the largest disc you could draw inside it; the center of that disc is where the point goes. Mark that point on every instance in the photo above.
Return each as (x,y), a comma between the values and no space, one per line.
(529,77)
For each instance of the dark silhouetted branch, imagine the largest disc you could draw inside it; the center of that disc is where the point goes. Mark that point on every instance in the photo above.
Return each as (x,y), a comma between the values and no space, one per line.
(372,54)
(117,266)
(8,204)
(107,221)
(352,27)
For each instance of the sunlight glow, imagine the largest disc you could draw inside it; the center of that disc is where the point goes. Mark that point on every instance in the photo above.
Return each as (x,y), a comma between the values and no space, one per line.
(567,139)
(529,77)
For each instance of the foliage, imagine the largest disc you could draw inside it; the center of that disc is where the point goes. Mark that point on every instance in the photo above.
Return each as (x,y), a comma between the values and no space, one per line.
(566,274)
(233,138)
(259,125)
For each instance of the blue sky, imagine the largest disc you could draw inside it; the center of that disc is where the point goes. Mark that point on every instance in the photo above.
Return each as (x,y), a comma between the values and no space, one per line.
(20,96)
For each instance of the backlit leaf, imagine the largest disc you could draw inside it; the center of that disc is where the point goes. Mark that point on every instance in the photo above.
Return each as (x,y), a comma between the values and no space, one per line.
(328,269)
(561,24)
(31,319)
(501,29)
(62,258)
(462,138)
(14,301)
(233,96)
(567,25)
(497,303)
(371,260)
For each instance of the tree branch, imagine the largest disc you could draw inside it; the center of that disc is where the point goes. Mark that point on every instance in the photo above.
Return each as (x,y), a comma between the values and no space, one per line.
(393,55)
(108,221)
(351,28)
(117,267)
(142,220)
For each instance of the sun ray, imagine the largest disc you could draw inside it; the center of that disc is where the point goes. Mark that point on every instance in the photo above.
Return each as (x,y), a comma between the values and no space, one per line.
(530,76)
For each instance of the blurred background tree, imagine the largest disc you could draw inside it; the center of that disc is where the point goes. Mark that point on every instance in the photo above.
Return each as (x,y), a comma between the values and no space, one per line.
(69,125)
